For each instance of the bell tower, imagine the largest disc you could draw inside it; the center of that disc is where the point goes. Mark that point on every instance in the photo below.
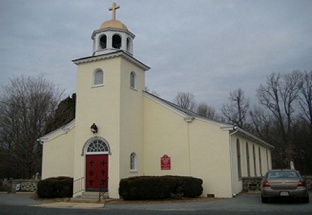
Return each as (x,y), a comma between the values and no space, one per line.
(112,35)
(110,85)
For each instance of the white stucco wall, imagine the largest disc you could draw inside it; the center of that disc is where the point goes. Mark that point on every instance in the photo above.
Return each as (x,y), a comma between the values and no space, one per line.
(210,157)
(99,105)
(131,118)
(199,149)
(57,157)
(117,110)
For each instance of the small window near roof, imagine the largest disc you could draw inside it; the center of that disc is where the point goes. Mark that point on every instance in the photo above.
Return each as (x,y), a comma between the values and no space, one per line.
(133,162)
(98,77)
(132,80)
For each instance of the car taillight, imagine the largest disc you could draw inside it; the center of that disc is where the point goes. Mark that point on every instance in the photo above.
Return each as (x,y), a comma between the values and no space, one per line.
(301,183)
(266,184)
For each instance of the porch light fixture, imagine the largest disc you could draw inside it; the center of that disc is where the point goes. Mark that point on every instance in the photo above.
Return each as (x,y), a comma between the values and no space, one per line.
(94,128)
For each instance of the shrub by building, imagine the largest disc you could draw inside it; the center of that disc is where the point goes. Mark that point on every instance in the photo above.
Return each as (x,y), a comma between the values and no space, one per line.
(159,187)
(59,187)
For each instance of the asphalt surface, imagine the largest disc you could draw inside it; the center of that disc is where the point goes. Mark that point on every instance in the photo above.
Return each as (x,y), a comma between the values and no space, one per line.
(242,204)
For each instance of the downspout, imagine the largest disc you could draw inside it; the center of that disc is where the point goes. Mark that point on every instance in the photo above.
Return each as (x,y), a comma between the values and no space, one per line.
(235,128)
(189,119)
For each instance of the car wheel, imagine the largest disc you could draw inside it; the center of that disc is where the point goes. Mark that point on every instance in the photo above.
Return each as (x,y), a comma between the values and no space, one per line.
(264,199)
(306,199)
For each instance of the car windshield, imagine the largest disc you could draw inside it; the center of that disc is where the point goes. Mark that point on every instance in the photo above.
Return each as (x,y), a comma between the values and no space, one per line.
(283,174)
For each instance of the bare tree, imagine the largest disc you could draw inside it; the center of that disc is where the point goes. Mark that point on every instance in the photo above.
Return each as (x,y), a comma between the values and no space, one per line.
(279,96)
(26,105)
(305,96)
(237,109)
(185,100)
(206,111)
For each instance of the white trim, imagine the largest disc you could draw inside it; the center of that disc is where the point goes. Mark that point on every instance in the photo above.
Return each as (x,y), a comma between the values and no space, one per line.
(57,132)
(117,53)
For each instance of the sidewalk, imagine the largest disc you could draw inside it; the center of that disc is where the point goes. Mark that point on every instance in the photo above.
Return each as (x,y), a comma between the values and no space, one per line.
(71,205)
(26,199)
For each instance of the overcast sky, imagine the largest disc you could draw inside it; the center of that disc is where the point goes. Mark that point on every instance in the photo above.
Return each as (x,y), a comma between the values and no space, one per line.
(205,47)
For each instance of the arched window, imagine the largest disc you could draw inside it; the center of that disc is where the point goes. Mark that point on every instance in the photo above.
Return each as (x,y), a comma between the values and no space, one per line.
(103,42)
(133,162)
(132,80)
(98,77)
(98,146)
(116,41)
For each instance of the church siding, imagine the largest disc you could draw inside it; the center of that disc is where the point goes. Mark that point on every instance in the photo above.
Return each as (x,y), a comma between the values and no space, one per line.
(199,148)
(210,157)
(131,118)
(93,106)
(57,156)
(165,133)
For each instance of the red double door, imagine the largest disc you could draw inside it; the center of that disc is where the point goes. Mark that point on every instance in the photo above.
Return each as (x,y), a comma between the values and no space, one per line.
(97,172)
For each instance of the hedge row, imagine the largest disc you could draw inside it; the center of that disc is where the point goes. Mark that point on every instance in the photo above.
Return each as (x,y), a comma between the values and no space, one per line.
(59,187)
(159,187)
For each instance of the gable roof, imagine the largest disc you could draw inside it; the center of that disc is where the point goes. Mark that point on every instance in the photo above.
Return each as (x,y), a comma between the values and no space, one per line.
(184,111)
(57,132)
(188,114)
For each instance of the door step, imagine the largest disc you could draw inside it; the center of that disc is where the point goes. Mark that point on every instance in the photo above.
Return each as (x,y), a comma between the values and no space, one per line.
(90,197)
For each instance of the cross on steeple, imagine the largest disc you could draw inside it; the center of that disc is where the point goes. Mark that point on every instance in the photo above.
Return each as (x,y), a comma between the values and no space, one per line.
(114,7)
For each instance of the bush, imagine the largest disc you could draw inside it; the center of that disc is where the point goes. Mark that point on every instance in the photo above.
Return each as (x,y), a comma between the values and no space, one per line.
(159,187)
(59,187)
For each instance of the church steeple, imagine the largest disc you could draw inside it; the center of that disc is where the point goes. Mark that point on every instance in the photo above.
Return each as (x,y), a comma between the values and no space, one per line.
(112,35)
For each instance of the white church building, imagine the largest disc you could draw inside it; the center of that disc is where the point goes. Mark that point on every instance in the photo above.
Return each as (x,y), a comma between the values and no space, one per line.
(120,130)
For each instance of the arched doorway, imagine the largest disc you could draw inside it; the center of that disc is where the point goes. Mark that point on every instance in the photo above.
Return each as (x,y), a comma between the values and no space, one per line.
(96,154)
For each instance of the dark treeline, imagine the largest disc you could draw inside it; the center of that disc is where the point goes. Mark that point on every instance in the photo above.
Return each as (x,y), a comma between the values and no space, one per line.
(29,108)
(282,116)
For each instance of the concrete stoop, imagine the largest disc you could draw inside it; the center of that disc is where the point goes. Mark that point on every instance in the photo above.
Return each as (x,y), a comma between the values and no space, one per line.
(90,197)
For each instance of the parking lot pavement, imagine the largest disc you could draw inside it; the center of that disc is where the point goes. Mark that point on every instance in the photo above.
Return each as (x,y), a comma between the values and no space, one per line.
(242,203)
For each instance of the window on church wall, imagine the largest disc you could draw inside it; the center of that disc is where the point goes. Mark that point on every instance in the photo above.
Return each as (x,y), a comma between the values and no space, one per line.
(254,159)
(97,146)
(133,162)
(248,159)
(260,161)
(132,80)
(116,41)
(267,159)
(103,42)
(239,168)
(98,77)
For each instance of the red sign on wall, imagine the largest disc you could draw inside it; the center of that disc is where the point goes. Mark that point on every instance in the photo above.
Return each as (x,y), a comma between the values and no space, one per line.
(165,162)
